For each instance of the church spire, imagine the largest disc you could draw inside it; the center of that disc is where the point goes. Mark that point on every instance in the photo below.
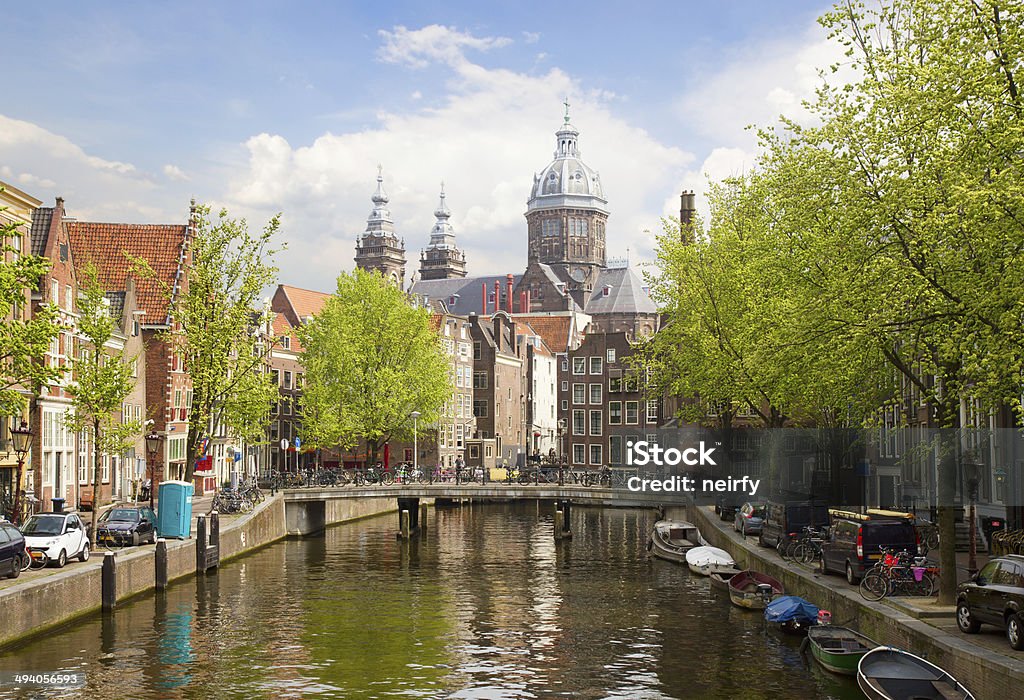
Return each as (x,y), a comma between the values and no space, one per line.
(441,259)
(379,248)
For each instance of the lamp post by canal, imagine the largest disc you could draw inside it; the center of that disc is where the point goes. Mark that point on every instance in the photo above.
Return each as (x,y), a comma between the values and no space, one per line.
(153,439)
(415,445)
(21,437)
(561,451)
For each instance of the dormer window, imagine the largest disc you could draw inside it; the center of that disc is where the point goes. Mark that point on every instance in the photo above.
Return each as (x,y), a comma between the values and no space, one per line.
(606,290)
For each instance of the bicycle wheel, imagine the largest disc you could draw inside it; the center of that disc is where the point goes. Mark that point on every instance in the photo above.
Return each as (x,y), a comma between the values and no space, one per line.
(26,561)
(39,560)
(803,553)
(113,541)
(874,586)
(925,587)
(387,478)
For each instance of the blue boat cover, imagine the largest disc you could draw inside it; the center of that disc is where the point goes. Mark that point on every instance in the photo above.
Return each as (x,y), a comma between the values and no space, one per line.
(790,607)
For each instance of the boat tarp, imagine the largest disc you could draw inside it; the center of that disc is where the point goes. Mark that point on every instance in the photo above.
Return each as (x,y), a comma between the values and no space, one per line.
(790,607)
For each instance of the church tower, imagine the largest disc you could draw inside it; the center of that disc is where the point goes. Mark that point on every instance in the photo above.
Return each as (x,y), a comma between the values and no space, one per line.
(379,248)
(442,260)
(566,215)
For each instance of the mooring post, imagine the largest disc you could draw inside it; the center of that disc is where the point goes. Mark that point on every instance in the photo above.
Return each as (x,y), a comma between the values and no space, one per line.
(403,519)
(201,544)
(558,522)
(161,564)
(423,518)
(108,583)
(566,516)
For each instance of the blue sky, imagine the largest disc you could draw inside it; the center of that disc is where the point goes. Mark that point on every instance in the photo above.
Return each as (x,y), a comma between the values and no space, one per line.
(129,109)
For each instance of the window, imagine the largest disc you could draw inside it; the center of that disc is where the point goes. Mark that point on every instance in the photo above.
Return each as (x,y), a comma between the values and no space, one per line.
(458,377)
(176,449)
(479,380)
(551,227)
(595,365)
(652,411)
(579,453)
(480,408)
(595,423)
(55,292)
(632,412)
(610,356)
(565,364)
(595,394)
(615,413)
(579,365)
(276,377)
(565,386)
(69,298)
(615,384)
(135,367)
(595,454)
(579,426)
(477,353)
(565,405)
(474,452)
(579,393)
(615,449)
(286,342)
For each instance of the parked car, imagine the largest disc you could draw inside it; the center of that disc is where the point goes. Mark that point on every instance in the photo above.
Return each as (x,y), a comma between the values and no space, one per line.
(854,541)
(784,521)
(995,596)
(12,550)
(749,518)
(57,536)
(127,526)
(726,506)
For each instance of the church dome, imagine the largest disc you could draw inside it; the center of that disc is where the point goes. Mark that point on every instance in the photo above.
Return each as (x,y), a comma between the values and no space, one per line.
(567,182)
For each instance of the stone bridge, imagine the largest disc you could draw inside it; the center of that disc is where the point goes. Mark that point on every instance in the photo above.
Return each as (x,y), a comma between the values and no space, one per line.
(310,510)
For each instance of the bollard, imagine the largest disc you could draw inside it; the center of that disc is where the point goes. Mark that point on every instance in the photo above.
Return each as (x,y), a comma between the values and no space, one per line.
(201,542)
(558,524)
(108,582)
(161,564)
(566,516)
(403,519)
(215,530)
(423,518)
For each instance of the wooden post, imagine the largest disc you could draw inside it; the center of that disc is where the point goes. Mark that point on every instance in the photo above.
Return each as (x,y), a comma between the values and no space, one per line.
(558,523)
(161,564)
(403,519)
(423,518)
(201,543)
(108,582)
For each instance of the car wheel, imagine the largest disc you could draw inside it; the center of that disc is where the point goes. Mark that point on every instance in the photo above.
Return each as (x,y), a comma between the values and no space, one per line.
(1015,632)
(84,554)
(851,578)
(760,540)
(135,539)
(964,620)
(62,559)
(15,568)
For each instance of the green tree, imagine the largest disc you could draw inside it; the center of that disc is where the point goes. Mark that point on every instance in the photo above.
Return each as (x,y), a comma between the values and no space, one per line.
(371,359)
(102,382)
(218,332)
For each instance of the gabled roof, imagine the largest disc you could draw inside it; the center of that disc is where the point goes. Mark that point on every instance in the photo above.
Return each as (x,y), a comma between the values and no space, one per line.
(626,293)
(109,247)
(556,330)
(41,219)
(300,303)
(281,326)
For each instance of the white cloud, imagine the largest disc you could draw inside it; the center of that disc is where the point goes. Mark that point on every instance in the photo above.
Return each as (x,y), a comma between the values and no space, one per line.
(486,138)
(173,172)
(531,37)
(434,43)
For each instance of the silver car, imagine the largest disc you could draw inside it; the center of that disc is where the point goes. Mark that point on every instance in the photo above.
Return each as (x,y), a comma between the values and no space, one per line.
(749,518)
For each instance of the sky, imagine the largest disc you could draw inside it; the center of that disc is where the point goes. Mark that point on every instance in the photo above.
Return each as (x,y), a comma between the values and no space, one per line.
(130,110)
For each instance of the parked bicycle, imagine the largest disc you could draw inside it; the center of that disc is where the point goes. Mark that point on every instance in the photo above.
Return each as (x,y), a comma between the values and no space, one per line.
(806,549)
(928,533)
(898,573)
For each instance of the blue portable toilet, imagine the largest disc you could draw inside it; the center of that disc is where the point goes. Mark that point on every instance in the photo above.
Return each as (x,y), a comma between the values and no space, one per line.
(174,513)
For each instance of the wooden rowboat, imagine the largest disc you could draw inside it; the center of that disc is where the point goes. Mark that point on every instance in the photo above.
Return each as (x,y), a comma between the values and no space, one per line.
(753,590)
(838,649)
(672,539)
(887,673)
(707,560)
(720,579)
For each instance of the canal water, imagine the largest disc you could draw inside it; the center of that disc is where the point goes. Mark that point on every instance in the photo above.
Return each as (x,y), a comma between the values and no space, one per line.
(487,605)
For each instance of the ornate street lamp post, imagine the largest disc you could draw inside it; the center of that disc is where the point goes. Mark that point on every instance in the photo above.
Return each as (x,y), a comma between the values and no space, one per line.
(153,439)
(21,437)
(561,451)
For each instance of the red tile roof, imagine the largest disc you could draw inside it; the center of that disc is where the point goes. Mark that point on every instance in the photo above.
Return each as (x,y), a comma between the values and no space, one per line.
(281,327)
(553,329)
(305,302)
(108,246)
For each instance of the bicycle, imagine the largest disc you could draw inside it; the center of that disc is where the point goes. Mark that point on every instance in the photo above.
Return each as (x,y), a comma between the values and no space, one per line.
(806,548)
(898,573)
(928,533)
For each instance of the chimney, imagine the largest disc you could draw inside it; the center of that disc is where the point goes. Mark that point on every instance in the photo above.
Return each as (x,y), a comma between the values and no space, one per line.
(497,296)
(528,305)
(483,297)
(508,288)
(687,209)
(522,303)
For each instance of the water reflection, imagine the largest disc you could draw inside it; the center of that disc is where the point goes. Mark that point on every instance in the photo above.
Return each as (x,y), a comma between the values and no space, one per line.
(486,605)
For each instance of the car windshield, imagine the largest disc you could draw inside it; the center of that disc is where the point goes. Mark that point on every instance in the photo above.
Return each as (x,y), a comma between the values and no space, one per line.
(43,525)
(122,515)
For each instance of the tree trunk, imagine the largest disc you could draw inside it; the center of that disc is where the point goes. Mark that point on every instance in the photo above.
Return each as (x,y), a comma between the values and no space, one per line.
(947,515)
(95,476)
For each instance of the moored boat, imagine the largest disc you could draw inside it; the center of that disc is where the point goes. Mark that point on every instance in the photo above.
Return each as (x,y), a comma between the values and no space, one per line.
(720,579)
(838,649)
(792,614)
(887,673)
(753,590)
(672,539)
(707,560)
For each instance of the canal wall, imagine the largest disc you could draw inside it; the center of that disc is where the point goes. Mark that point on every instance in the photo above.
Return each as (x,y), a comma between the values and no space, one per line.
(38,604)
(989,676)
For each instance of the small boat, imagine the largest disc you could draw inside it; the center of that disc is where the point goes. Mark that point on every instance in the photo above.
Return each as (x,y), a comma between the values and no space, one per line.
(672,539)
(887,673)
(838,649)
(754,590)
(707,560)
(720,579)
(792,613)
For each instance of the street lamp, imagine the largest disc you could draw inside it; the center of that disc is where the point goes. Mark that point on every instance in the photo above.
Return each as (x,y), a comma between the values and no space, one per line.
(415,447)
(153,439)
(561,450)
(21,437)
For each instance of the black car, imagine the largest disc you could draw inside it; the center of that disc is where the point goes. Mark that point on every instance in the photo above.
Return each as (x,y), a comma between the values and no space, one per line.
(726,506)
(785,520)
(122,526)
(855,540)
(12,550)
(995,596)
